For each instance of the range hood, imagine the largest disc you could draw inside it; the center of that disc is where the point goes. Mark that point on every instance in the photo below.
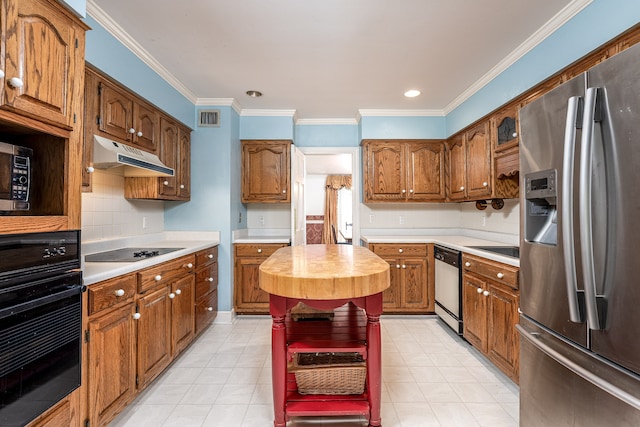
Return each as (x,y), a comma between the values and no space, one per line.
(109,154)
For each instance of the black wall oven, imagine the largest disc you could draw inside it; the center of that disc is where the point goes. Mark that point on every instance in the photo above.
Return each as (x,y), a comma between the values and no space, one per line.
(40,322)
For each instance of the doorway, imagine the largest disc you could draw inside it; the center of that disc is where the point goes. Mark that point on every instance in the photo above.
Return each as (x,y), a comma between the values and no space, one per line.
(319,163)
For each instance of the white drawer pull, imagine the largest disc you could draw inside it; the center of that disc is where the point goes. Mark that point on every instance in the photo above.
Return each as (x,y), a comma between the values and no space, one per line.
(119,292)
(210,256)
(136,316)
(189,265)
(500,275)
(178,291)
(400,250)
(467,264)
(210,279)
(172,295)
(485,293)
(209,308)
(479,290)
(259,250)
(158,278)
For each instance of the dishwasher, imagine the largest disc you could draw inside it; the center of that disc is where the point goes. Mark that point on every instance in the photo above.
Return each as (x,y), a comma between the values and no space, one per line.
(448,279)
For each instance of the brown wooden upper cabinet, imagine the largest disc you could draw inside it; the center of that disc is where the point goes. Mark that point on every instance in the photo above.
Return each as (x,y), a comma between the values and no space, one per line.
(125,118)
(41,58)
(403,171)
(506,152)
(266,171)
(470,164)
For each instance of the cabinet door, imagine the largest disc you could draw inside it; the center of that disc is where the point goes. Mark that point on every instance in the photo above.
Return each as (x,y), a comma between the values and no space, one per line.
(182,313)
(169,152)
(391,300)
(414,293)
(384,174)
(426,172)
(145,127)
(40,52)
(154,335)
(184,165)
(503,343)
(111,357)
(457,168)
(116,111)
(474,311)
(266,171)
(249,297)
(478,155)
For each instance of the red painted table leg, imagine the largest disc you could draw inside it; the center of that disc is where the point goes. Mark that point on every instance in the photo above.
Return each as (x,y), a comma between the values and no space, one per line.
(278,359)
(374,358)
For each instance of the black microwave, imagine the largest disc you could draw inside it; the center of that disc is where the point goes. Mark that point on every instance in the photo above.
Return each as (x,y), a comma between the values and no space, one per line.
(15,177)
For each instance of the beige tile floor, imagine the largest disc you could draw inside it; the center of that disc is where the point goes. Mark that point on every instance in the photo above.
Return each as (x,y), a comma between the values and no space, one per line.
(431,377)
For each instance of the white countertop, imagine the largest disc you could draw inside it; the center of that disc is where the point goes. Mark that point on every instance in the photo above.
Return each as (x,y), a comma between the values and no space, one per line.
(190,242)
(261,236)
(263,239)
(460,243)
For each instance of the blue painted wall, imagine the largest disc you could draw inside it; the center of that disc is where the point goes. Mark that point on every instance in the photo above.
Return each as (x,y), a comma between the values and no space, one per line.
(374,127)
(266,127)
(327,135)
(78,6)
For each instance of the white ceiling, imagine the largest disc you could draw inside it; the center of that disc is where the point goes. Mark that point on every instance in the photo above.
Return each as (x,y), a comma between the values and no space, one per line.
(329,59)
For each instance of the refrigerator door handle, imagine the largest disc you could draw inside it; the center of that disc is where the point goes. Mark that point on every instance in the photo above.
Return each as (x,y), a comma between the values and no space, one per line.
(586,223)
(568,160)
(537,340)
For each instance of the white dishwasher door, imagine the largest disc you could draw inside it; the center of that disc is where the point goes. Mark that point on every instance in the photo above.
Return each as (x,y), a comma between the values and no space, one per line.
(448,303)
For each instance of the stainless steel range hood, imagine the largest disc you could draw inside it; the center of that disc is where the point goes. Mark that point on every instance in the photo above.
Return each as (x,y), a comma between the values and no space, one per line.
(109,154)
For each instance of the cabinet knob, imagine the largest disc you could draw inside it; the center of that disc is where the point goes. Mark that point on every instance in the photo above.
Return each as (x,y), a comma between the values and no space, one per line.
(397,265)
(485,293)
(484,184)
(462,188)
(500,275)
(209,308)
(515,134)
(182,186)
(172,295)
(139,134)
(210,256)
(165,183)
(259,250)
(210,279)
(132,131)
(411,191)
(404,266)
(284,191)
(90,169)
(136,316)
(400,250)
(15,83)
(119,292)
(467,264)
(404,191)
(158,278)
(479,290)
(178,291)
(189,265)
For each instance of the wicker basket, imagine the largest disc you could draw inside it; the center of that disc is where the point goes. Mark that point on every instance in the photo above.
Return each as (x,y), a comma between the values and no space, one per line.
(329,373)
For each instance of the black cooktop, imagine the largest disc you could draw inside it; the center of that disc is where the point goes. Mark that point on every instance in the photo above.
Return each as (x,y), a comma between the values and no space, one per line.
(512,251)
(128,254)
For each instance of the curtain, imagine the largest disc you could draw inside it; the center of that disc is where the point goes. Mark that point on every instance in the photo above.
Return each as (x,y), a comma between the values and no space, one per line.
(334,184)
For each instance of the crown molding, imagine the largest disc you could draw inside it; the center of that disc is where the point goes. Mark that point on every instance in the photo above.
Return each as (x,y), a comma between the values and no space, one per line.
(219,102)
(561,18)
(311,122)
(267,113)
(400,113)
(123,37)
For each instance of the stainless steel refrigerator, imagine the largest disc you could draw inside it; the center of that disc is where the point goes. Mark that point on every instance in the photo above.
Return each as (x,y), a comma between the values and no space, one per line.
(580,250)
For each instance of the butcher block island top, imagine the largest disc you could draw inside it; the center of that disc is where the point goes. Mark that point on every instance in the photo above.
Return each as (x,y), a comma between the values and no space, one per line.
(324,272)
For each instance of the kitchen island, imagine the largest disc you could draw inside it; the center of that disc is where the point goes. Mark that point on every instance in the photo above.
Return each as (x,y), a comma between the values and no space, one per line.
(326,277)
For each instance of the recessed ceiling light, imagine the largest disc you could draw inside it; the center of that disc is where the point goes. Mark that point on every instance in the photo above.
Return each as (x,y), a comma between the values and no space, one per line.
(412,93)
(254,93)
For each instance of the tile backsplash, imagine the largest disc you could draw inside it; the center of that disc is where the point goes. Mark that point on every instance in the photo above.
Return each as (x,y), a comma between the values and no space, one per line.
(106,214)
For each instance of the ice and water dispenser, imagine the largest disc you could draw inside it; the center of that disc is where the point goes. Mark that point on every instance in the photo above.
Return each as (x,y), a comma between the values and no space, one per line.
(540,219)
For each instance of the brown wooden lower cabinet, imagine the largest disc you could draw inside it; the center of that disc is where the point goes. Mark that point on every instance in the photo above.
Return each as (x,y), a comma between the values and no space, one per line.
(135,329)
(65,413)
(248,297)
(411,284)
(490,311)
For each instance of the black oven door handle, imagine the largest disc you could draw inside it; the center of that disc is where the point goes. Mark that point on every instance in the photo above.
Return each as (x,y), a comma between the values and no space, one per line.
(17,309)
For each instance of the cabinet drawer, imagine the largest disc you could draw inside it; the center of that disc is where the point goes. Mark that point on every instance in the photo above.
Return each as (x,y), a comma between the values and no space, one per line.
(496,271)
(206,310)
(111,292)
(165,273)
(399,249)
(254,250)
(206,256)
(206,280)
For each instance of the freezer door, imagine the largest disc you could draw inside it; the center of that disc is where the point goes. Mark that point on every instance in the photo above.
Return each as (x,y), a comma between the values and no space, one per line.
(544,294)
(615,205)
(562,385)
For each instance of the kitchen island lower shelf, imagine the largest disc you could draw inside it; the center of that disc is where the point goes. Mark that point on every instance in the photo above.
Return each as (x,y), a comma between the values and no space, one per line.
(354,328)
